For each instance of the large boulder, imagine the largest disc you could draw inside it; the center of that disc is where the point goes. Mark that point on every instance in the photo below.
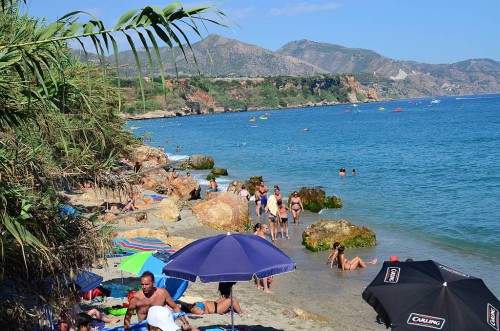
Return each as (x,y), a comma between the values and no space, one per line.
(321,235)
(185,188)
(145,153)
(167,210)
(315,199)
(152,179)
(197,162)
(224,211)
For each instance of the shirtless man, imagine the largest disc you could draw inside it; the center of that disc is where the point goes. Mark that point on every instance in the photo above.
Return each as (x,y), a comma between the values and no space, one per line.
(147,297)
(212,186)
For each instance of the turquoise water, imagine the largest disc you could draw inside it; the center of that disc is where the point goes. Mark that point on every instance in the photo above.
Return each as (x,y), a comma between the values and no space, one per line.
(428,178)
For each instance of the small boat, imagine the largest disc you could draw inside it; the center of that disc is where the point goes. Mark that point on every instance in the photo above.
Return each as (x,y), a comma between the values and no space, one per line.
(435,101)
(398,110)
(253,119)
(267,114)
(347,111)
(263,117)
(304,130)
(381,108)
(134,127)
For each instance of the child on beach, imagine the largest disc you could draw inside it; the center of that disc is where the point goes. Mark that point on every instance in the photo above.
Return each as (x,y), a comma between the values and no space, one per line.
(284,220)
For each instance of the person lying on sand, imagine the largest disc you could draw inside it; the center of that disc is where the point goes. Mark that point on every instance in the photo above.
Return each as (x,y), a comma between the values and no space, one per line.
(68,317)
(220,306)
(161,319)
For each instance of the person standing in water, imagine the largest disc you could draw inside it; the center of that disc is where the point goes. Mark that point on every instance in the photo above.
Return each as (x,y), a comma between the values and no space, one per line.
(296,207)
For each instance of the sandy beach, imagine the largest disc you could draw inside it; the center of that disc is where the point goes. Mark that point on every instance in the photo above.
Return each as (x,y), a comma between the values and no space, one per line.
(291,306)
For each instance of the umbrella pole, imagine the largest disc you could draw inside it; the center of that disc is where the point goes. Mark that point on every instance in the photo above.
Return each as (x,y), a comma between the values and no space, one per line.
(232,311)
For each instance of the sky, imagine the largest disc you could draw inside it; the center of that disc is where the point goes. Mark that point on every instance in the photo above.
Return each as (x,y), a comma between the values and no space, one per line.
(438,31)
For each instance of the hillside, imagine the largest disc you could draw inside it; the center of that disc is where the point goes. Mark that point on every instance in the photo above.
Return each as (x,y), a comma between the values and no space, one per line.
(408,79)
(218,56)
(204,95)
(222,57)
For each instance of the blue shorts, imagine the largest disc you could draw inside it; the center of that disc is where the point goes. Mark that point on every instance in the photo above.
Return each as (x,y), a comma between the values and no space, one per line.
(212,190)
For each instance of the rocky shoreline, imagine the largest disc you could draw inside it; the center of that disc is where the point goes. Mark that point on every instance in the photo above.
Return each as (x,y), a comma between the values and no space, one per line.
(175,220)
(219,110)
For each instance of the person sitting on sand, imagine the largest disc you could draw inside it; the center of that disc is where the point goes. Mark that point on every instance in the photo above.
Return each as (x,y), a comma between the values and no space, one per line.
(333,254)
(150,296)
(130,204)
(344,264)
(69,317)
(220,306)
(161,319)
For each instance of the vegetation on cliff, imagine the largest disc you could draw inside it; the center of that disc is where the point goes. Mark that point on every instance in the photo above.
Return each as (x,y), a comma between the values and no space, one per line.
(195,95)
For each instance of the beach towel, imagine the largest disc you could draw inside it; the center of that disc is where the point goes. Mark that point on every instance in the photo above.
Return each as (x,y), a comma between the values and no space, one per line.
(272,205)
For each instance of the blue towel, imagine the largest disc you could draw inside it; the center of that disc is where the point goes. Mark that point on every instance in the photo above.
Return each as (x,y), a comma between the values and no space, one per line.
(140,326)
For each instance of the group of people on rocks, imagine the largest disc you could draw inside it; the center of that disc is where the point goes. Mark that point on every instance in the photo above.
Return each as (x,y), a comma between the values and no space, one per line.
(337,256)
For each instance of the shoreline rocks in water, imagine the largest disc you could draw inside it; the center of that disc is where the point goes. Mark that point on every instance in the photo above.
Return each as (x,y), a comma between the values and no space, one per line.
(321,235)
(315,199)
(197,162)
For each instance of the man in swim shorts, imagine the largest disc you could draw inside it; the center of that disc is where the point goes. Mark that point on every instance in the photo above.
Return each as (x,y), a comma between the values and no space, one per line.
(150,296)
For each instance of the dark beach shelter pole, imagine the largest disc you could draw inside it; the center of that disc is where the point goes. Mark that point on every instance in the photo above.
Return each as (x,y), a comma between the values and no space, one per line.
(232,311)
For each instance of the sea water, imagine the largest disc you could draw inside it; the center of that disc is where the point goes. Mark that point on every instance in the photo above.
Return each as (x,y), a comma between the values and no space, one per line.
(427,182)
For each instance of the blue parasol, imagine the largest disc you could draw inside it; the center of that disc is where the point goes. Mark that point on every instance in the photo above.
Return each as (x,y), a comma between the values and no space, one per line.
(228,258)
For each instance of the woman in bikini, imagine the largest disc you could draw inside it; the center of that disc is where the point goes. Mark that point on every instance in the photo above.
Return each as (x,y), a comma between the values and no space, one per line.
(296,207)
(219,306)
(344,264)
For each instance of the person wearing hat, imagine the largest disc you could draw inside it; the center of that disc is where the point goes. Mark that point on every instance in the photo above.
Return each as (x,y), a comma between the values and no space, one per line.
(161,319)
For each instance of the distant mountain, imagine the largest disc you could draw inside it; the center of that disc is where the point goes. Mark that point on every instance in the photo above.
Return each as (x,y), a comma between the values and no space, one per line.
(409,78)
(218,56)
